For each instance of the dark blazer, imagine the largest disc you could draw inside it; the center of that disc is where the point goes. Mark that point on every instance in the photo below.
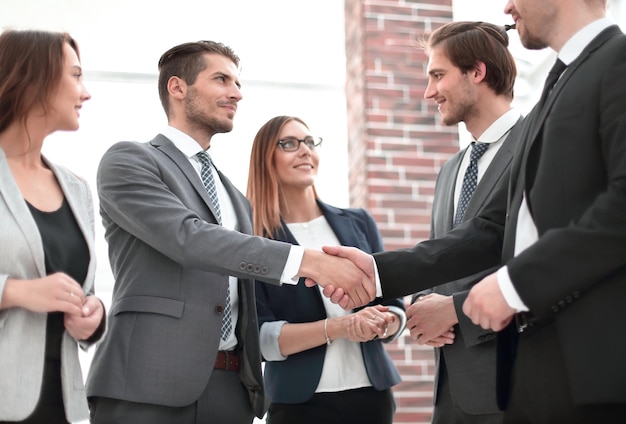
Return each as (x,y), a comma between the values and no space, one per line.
(471,360)
(571,163)
(171,264)
(295,379)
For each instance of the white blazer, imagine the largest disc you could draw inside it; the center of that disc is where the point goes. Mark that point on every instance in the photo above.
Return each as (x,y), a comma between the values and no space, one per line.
(22,332)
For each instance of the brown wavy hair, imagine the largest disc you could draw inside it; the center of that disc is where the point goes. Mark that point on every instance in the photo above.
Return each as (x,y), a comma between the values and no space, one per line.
(31,64)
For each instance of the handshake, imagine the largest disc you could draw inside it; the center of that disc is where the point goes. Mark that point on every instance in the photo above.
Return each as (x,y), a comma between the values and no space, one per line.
(346,273)
(348,276)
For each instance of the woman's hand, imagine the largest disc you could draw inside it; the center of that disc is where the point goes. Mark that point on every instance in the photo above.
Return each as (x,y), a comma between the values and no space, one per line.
(53,293)
(82,326)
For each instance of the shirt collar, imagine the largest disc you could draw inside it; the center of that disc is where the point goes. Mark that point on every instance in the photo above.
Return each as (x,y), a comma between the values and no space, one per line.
(575,45)
(182,141)
(500,127)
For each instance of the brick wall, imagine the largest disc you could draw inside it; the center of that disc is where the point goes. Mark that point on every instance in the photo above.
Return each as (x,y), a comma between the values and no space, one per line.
(396,147)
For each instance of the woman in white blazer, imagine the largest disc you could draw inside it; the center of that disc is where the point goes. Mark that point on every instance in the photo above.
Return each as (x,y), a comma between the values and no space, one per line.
(47,257)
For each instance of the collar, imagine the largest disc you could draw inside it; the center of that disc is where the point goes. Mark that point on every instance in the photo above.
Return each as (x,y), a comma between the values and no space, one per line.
(182,141)
(575,45)
(500,127)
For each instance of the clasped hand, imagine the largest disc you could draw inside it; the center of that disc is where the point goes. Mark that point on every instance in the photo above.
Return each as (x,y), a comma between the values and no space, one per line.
(431,319)
(59,292)
(369,323)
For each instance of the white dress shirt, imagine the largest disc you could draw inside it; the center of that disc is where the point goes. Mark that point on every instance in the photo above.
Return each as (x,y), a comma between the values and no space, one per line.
(526,233)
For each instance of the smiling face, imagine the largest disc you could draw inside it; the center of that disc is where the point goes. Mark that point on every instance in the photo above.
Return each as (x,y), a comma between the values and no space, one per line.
(70,94)
(211,102)
(296,169)
(450,88)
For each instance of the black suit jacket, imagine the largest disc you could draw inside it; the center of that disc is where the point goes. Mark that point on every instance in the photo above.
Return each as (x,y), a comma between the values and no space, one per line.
(571,164)
(295,379)
(471,360)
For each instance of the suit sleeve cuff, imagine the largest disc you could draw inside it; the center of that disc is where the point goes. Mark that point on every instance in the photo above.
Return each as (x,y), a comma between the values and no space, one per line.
(268,337)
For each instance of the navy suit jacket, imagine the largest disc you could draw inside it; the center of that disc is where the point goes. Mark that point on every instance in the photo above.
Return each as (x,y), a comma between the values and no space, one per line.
(295,379)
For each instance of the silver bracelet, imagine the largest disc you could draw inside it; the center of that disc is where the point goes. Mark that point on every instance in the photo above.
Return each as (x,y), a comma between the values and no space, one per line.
(328,340)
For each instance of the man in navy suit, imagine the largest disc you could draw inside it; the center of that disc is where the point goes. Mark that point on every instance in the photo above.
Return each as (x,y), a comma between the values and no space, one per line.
(556,229)
(470,76)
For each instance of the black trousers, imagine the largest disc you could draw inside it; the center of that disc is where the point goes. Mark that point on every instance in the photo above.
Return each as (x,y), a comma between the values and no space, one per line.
(541,393)
(359,406)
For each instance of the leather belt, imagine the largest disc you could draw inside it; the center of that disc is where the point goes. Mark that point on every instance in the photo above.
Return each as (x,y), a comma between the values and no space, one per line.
(227,360)
(523,320)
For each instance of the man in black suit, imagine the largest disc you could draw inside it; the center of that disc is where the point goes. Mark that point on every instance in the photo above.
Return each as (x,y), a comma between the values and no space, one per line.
(557,229)
(471,74)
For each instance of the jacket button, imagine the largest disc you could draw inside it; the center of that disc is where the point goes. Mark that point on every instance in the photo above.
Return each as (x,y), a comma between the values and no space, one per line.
(242,266)
(250,268)
(219,309)
(264,270)
(257,269)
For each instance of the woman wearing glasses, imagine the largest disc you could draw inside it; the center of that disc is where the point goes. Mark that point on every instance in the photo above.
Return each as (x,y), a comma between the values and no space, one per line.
(323,364)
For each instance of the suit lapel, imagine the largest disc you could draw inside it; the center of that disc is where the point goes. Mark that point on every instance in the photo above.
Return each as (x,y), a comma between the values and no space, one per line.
(446,203)
(340,224)
(537,116)
(166,146)
(494,172)
(21,215)
(75,195)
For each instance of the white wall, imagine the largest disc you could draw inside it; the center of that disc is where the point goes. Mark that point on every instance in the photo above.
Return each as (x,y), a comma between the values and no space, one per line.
(292,60)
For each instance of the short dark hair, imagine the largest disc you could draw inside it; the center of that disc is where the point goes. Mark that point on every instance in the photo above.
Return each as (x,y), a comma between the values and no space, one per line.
(31,64)
(186,61)
(466,42)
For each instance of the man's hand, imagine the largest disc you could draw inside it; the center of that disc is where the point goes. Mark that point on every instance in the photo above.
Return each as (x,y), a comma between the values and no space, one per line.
(485,305)
(346,283)
(431,320)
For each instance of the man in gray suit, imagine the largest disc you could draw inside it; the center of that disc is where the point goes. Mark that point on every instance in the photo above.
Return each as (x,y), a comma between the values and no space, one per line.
(471,75)
(182,345)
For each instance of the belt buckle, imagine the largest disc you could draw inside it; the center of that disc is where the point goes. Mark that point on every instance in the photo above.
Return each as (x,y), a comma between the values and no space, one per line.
(521,322)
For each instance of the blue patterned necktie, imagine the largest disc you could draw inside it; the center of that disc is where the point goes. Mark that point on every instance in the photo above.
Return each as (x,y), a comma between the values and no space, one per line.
(470,180)
(209,184)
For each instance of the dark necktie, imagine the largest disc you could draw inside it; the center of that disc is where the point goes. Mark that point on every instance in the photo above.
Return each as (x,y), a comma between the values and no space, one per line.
(470,180)
(552,78)
(209,184)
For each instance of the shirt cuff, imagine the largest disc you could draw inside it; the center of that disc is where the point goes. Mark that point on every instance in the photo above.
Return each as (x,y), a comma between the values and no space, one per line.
(508,291)
(268,337)
(294,260)
(379,287)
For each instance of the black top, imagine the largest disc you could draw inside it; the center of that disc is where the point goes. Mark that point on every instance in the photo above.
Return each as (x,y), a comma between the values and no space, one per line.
(65,250)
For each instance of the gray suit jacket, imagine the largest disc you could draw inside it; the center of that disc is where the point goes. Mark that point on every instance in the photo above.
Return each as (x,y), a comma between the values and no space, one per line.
(171,263)
(23,333)
(471,360)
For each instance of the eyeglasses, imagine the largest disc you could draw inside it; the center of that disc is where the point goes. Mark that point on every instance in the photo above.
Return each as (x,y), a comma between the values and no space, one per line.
(292,144)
